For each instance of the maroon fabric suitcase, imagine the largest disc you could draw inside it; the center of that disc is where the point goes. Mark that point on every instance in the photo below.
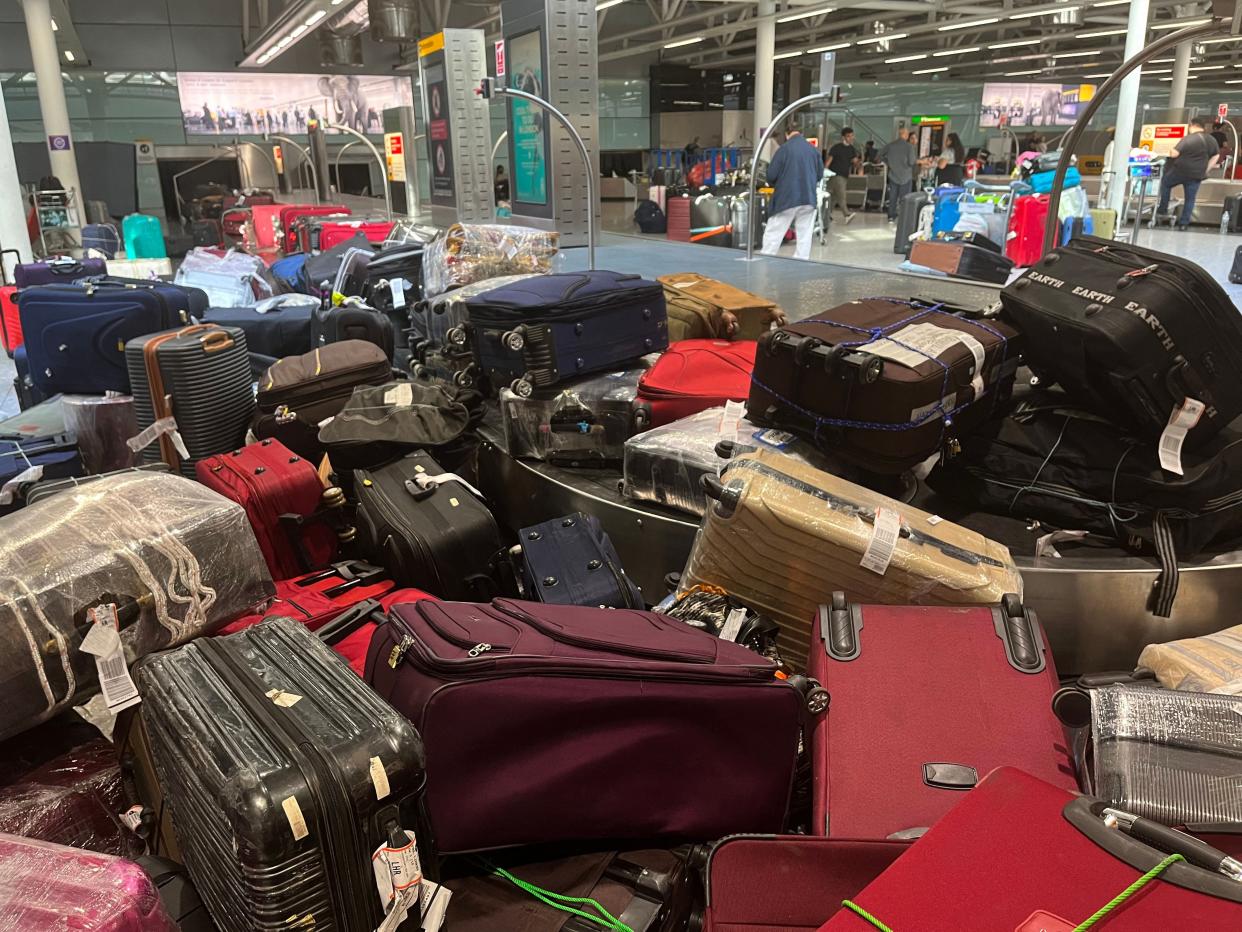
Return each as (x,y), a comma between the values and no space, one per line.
(925,700)
(1020,854)
(284,500)
(548,723)
(788,883)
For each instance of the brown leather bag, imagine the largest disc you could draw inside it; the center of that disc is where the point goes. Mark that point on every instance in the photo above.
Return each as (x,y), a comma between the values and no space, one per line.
(701,308)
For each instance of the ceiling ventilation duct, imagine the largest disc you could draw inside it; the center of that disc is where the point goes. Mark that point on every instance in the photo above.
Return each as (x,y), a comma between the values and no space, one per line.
(340,38)
(393,20)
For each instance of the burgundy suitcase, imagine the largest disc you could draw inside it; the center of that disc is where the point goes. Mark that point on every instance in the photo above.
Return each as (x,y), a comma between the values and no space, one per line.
(317,598)
(692,376)
(883,382)
(294,212)
(285,501)
(788,883)
(925,700)
(555,723)
(1020,854)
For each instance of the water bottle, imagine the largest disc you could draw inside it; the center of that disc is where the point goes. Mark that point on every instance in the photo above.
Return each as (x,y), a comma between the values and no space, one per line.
(1224,221)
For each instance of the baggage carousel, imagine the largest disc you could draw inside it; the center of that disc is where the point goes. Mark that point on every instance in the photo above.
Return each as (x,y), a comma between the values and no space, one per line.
(1092,602)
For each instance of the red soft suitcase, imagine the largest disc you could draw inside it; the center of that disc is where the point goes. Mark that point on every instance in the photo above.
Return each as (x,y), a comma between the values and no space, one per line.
(1020,854)
(350,633)
(317,598)
(290,214)
(10,322)
(51,888)
(925,700)
(337,231)
(266,218)
(788,883)
(692,376)
(285,501)
(1026,244)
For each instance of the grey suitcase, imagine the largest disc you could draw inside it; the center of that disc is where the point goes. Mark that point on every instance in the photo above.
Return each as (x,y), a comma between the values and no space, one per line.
(908,211)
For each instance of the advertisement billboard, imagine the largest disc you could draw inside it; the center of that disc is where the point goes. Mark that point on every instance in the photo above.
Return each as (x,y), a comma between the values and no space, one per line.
(231,103)
(1032,104)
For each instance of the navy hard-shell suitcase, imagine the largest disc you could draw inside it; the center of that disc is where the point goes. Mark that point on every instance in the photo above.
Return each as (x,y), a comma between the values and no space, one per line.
(549,328)
(278,331)
(56,269)
(571,561)
(76,334)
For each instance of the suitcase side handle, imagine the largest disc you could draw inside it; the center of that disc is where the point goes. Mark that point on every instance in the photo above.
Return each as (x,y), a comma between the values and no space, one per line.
(839,627)
(1018,628)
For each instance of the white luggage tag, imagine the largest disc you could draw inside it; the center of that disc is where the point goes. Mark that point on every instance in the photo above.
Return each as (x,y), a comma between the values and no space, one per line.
(1181,421)
(422,482)
(884,535)
(165,425)
(399,882)
(733,411)
(103,642)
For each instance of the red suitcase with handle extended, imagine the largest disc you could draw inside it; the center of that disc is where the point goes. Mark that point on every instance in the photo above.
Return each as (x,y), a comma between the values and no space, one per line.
(10,320)
(285,501)
(1020,854)
(319,597)
(350,633)
(925,700)
(694,375)
(290,215)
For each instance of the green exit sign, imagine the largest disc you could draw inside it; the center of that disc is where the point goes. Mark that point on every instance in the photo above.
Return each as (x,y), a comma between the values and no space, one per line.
(916,120)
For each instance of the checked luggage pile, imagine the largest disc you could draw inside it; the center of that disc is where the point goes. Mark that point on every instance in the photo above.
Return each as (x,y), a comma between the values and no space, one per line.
(282,529)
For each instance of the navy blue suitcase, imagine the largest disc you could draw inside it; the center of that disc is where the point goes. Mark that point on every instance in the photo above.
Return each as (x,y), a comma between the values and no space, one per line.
(27,395)
(571,561)
(184,304)
(75,335)
(549,328)
(280,331)
(55,457)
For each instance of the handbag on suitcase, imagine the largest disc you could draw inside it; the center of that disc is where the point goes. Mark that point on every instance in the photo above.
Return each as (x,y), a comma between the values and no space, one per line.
(544,330)
(692,376)
(882,382)
(782,537)
(57,270)
(291,832)
(428,528)
(1137,335)
(571,561)
(1078,863)
(352,320)
(701,308)
(962,259)
(611,717)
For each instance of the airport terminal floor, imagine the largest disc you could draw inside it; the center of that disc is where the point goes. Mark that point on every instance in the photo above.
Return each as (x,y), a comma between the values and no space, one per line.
(641,465)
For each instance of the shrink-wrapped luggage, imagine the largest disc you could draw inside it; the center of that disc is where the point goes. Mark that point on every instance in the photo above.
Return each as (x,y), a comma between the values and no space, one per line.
(470,252)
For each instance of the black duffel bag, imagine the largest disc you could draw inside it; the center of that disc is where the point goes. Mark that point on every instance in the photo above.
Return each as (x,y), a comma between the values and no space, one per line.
(1070,469)
(650,218)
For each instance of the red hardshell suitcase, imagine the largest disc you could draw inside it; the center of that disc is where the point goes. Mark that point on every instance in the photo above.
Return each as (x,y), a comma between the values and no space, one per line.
(290,214)
(50,888)
(788,883)
(694,375)
(678,219)
(337,231)
(925,700)
(1030,213)
(285,502)
(10,322)
(317,598)
(1020,854)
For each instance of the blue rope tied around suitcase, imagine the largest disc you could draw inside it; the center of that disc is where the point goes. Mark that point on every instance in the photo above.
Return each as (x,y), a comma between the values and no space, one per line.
(560,901)
(872,334)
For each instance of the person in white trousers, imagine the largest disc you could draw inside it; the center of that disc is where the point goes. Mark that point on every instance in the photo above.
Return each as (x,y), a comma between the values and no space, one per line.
(794,172)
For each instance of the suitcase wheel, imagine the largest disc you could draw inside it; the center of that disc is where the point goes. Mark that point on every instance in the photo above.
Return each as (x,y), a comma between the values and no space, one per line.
(514,340)
(456,336)
(521,388)
(463,379)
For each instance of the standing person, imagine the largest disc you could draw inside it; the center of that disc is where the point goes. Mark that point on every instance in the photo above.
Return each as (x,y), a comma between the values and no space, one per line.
(1193,157)
(500,185)
(870,155)
(902,159)
(841,161)
(794,172)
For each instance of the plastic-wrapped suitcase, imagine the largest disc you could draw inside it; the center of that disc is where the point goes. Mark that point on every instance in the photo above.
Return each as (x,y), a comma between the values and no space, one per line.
(472,252)
(962,260)
(229,278)
(787,883)
(200,377)
(571,561)
(883,382)
(428,532)
(692,376)
(46,887)
(281,812)
(176,559)
(909,211)
(544,330)
(335,232)
(701,308)
(46,488)
(285,501)
(352,320)
(895,749)
(1074,858)
(56,270)
(144,269)
(782,537)
(314,599)
(619,710)
(290,214)
(1137,335)
(279,326)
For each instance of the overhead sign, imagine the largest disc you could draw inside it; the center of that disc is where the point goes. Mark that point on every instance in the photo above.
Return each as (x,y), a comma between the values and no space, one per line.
(394,156)
(144,151)
(58,143)
(916,120)
(827,71)
(500,58)
(430,45)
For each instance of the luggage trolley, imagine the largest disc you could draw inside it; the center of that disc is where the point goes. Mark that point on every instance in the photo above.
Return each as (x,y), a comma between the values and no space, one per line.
(1001,207)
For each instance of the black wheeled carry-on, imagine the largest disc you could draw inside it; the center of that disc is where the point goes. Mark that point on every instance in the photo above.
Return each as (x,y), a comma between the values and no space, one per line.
(286,775)
(908,210)
(352,320)
(1134,334)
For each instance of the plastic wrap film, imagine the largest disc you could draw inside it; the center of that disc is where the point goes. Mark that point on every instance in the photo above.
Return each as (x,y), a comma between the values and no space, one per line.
(586,422)
(1167,754)
(470,252)
(176,559)
(666,464)
(102,424)
(229,278)
(785,536)
(406,232)
(1208,664)
(46,887)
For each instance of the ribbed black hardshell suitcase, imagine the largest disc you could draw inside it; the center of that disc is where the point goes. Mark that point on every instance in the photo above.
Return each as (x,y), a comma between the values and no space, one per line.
(285,774)
(1131,333)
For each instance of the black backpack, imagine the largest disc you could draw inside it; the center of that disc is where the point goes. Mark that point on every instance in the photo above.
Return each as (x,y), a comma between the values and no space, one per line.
(650,218)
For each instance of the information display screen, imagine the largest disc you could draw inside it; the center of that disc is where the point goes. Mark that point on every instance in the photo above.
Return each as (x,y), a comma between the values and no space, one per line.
(530,132)
(439,133)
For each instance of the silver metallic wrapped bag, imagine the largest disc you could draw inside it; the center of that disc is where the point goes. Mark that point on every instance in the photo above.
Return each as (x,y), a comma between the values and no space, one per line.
(470,252)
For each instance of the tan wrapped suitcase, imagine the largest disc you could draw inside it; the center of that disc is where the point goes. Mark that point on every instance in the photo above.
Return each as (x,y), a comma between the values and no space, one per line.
(702,308)
(781,537)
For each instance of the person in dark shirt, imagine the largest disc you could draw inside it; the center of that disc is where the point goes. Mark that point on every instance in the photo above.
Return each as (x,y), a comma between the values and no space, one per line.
(842,158)
(794,172)
(1189,162)
(500,185)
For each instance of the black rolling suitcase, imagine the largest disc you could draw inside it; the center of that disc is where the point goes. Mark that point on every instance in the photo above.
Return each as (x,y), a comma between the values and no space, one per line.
(352,320)
(285,775)
(395,277)
(429,533)
(1233,207)
(571,561)
(1235,270)
(201,377)
(908,210)
(1133,334)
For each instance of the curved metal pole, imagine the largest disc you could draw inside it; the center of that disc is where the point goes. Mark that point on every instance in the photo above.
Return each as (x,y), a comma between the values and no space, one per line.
(1148,52)
(779,120)
(499,139)
(582,151)
(303,151)
(267,155)
(336,163)
(1231,160)
(193,168)
(383,166)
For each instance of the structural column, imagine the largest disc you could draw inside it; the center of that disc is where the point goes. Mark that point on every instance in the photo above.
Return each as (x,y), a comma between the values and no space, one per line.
(13,233)
(1181,77)
(46,58)
(765,67)
(1127,104)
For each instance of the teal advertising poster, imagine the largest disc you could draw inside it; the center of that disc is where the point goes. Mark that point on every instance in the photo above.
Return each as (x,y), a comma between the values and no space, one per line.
(530,166)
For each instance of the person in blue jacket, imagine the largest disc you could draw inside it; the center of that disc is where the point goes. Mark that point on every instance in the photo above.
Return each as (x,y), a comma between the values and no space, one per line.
(795,172)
